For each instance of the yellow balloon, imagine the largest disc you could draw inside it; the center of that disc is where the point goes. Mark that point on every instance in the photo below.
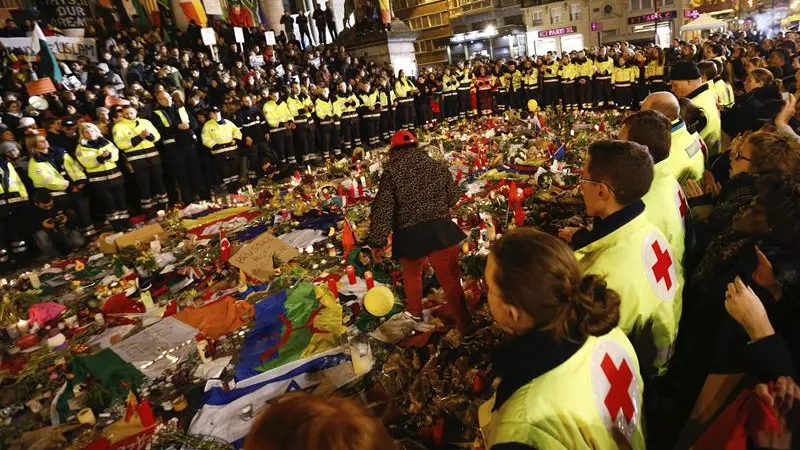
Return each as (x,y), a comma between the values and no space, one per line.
(379,301)
(533,105)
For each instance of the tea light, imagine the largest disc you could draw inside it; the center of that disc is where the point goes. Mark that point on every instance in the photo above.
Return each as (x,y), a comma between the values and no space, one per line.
(99,319)
(23,326)
(86,416)
(160,214)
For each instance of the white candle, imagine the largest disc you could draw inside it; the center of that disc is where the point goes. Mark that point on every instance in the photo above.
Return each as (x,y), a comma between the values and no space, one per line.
(34,278)
(23,326)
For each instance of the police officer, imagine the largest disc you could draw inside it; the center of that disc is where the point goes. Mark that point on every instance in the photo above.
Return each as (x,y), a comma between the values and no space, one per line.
(550,86)
(632,253)
(449,95)
(253,147)
(178,147)
(530,81)
(276,111)
(565,351)
(99,157)
(323,108)
(568,72)
(464,75)
(685,155)
(137,138)
(14,207)
(516,96)
(56,171)
(370,114)
(604,67)
(301,108)
(685,81)
(585,69)
(222,137)
(405,91)
(349,133)
(388,101)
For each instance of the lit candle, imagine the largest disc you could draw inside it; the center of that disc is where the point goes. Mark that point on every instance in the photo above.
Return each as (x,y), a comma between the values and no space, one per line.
(351,274)
(99,319)
(34,279)
(23,327)
(369,279)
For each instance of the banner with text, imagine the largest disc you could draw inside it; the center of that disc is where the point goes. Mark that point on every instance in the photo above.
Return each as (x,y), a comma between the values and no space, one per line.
(67,13)
(63,48)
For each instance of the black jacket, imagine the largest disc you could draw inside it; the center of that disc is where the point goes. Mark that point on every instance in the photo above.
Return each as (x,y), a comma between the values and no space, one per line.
(752,111)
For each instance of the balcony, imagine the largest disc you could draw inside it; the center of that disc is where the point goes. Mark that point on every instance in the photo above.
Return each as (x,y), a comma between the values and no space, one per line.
(537,22)
(464,7)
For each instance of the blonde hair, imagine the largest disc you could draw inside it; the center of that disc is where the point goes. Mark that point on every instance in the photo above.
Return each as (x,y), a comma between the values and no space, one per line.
(31,141)
(88,126)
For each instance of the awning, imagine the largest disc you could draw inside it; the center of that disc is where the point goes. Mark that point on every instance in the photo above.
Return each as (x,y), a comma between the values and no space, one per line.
(704,22)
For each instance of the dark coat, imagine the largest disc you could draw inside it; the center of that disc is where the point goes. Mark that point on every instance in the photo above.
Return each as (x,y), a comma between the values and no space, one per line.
(752,111)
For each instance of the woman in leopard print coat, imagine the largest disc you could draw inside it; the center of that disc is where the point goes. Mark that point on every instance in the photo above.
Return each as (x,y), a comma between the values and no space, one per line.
(413,202)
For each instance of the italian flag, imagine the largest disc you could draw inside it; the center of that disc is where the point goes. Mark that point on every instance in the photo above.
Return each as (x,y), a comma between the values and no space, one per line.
(48,66)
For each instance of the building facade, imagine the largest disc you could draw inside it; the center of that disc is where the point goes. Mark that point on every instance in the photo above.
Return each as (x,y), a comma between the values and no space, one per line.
(486,28)
(431,19)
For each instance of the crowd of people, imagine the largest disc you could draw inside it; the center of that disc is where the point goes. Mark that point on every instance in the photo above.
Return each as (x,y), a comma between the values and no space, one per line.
(696,205)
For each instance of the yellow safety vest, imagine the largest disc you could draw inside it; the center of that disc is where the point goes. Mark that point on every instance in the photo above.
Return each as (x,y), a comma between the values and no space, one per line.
(324,111)
(386,100)
(184,116)
(685,155)
(653,72)
(724,93)
(516,80)
(637,262)
(568,72)
(450,83)
(403,88)
(550,72)
(666,206)
(220,137)
(297,108)
(370,99)
(277,114)
(705,98)
(531,78)
(98,171)
(16,188)
(604,69)
(585,69)
(127,131)
(43,175)
(348,111)
(588,401)
(464,78)
(622,76)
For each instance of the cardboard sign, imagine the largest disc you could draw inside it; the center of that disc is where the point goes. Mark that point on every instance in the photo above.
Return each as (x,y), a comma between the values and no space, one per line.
(238,33)
(144,234)
(40,87)
(279,71)
(270,37)
(256,61)
(67,13)
(63,48)
(209,36)
(255,258)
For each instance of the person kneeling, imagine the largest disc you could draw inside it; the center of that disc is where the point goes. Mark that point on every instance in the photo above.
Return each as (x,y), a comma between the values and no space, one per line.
(56,235)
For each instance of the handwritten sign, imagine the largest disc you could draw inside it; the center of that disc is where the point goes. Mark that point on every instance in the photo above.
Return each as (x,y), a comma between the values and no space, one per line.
(256,60)
(67,13)
(255,258)
(40,87)
(238,34)
(279,71)
(270,37)
(209,36)
(63,48)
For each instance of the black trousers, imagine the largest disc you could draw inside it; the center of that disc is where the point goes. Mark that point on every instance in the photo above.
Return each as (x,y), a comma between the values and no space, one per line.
(406,115)
(226,166)
(332,29)
(450,105)
(254,155)
(387,124)
(349,134)
(423,112)
(516,98)
(304,31)
(464,102)
(325,137)
(531,93)
(280,140)
(568,90)
(550,93)
(112,196)
(602,92)
(371,127)
(303,142)
(184,166)
(624,96)
(149,177)
(501,100)
(584,93)
(79,201)
(336,140)
(15,232)
(321,33)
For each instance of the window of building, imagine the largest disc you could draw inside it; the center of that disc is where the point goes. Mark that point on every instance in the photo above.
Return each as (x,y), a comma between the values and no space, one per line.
(574,12)
(669,3)
(637,5)
(424,22)
(536,16)
(426,46)
(555,15)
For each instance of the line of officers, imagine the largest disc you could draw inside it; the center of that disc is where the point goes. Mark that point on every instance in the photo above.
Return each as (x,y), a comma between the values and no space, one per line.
(573,82)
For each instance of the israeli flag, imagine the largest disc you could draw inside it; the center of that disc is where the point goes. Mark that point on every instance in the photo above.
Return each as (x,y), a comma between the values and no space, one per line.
(223,414)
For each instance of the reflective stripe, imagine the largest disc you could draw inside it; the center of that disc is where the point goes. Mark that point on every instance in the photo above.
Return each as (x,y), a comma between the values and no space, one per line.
(300,120)
(168,141)
(372,116)
(551,80)
(138,157)
(250,124)
(567,81)
(57,193)
(16,200)
(104,177)
(223,150)
(275,130)
(326,122)
(450,94)
(604,77)
(622,85)
(402,100)
(350,116)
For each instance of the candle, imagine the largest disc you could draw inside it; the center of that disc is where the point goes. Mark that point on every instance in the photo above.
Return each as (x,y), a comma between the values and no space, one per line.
(99,319)
(23,327)
(340,190)
(332,287)
(369,279)
(34,279)
(351,274)
(352,189)
(161,214)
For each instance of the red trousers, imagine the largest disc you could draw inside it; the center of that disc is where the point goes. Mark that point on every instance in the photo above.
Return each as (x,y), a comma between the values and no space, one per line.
(445,264)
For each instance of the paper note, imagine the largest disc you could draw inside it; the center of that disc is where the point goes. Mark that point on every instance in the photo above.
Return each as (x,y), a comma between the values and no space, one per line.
(255,258)
(158,347)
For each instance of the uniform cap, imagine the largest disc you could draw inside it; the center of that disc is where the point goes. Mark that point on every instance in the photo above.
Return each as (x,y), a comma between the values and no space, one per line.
(684,70)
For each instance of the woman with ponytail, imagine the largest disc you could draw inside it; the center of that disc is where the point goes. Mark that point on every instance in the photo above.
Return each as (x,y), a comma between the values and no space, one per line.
(569,377)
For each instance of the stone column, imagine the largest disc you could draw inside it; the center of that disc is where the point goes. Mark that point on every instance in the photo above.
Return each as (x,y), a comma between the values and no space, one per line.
(273,10)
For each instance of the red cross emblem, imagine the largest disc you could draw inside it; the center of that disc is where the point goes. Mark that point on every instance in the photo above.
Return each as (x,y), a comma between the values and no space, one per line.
(662,265)
(618,397)
(683,206)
